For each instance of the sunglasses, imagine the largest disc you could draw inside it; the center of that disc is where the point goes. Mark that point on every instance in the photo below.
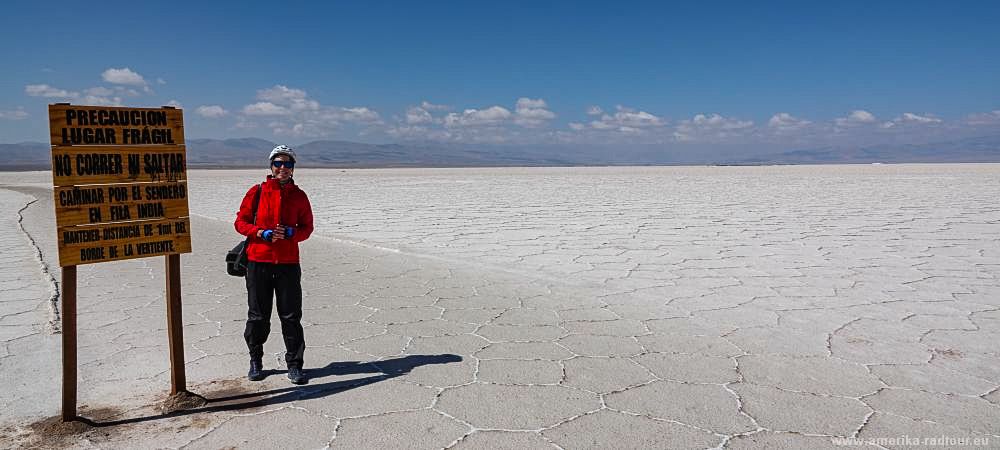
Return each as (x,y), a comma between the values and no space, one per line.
(286,164)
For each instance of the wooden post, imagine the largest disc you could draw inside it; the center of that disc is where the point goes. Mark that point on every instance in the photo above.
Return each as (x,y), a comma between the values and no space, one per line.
(69,343)
(175,324)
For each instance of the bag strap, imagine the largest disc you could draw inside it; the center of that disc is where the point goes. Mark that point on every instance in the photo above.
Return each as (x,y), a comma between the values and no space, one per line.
(256,203)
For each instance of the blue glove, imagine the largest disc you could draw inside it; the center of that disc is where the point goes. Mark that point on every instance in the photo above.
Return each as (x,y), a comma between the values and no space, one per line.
(266,235)
(289,232)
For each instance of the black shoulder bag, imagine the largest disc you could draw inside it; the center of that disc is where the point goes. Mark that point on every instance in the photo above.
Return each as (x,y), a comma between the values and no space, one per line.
(236,259)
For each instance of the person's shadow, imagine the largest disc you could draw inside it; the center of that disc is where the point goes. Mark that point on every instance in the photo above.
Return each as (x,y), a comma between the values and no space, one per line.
(384,370)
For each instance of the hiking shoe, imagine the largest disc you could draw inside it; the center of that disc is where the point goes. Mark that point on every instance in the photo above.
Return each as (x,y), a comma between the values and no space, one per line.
(296,376)
(256,372)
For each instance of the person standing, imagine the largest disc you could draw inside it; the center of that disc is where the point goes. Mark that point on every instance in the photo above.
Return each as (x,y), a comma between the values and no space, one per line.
(284,218)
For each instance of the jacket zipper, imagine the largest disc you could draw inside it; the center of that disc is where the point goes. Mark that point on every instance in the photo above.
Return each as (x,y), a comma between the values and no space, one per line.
(281,198)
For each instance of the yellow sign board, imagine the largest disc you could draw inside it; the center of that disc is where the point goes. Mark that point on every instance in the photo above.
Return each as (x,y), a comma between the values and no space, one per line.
(98,203)
(80,164)
(108,125)
(119,182)
(87,244)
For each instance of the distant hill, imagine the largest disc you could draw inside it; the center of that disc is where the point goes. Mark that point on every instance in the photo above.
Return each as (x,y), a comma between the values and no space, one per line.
(252,152)
(353,154)
(27,156)
(245,152)
(971,150)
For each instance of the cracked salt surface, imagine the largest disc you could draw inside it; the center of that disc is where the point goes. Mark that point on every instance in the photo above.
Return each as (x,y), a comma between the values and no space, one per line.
(685,307)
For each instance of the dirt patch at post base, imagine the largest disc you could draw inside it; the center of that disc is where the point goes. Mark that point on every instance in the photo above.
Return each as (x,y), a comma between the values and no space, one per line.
(181,401)
(52,432)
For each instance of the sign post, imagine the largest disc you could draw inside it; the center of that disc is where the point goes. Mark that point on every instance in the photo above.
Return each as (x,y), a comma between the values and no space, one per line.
(69,343)
(119,178)
(175,326)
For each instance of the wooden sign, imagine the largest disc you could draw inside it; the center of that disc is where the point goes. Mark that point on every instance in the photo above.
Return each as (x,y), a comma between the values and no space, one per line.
(77,165)
(120,192)
(108,125)
(86,244)
(112,165)
(80,205)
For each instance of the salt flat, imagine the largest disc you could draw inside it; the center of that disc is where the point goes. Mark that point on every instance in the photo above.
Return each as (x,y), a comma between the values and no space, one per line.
(571,307)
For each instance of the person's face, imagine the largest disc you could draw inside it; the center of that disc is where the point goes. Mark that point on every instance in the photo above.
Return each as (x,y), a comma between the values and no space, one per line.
(282,173)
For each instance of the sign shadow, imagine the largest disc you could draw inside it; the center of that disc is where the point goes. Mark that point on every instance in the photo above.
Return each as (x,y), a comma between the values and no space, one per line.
(383,370)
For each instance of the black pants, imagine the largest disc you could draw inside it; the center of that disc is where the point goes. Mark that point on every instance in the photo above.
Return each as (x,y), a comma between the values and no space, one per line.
(264,282)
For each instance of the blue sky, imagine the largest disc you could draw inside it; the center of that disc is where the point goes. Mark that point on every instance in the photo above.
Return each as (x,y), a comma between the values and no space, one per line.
(774,73)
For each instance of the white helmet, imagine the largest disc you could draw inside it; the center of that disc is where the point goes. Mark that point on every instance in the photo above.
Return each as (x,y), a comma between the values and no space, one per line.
(281,150)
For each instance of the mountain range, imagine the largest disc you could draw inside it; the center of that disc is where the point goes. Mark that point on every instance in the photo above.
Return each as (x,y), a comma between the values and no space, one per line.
(252,152)
(982,149)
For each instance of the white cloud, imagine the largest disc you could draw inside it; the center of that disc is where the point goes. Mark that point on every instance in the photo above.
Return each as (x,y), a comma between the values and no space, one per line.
(856,117)
(292,99)
(528,103)
(281,94)
(408,131)
(325,121)
(594,111)
(419,132)
(211,111)
(293,113)
(910,117)
(428,106)
(532,113)
(99,91)
(710,127)
(103,96)
(418,115)
(123,76)
(577,126)
(359,114)
(265,109)
(92,96)
(304,105)
(44,90)
(421,115)
(174,103)
(602,125)
(986,118)
(528,113)
(492,124)
(161,81)
(627,120)
(861,116)
(720,122)
(99,95)
(786,122)
(297,129)
(493,115)
(99,100)
(17,114)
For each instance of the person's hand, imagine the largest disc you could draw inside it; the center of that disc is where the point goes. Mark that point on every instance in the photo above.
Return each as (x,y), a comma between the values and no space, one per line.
(279,232)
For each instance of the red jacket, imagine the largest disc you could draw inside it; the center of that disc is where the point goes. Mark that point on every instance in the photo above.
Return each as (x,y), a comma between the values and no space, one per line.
(286,205)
